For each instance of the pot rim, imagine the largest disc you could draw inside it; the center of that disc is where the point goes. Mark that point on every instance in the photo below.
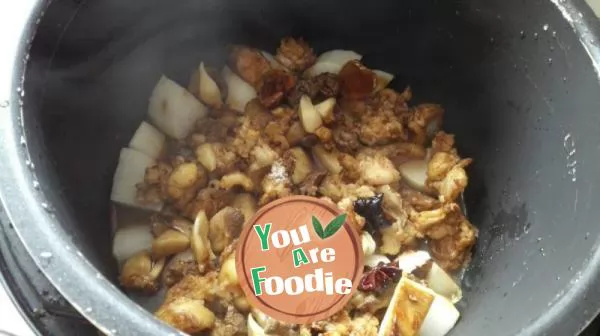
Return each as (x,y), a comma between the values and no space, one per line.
(99,300)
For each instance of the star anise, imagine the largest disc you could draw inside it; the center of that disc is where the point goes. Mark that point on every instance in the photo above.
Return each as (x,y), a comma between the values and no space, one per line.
(379,278)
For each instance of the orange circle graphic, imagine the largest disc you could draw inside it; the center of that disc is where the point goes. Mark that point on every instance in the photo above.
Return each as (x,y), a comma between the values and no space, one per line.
(299,260)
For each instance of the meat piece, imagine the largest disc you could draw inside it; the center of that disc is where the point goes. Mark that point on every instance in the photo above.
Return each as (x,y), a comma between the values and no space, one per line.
(352,171)
(295,54)
(273,87)
(443,142)
(232,324)
(194,287)
(454,183)
(417,200)
(141,273)
(440,222)
(446,174)
(276,184)
(318,88)
(250,64)
(377,170)
(345,139)
(209,200)
(310,185)
(379,129)
(335,188)
(383,119)
(454,251)
(178,267)
(424,122)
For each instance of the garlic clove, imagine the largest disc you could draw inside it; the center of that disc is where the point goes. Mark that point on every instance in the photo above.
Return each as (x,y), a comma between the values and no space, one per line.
(199,240)
(325,110)
(368,243)
(375,259)
(383,79)
(208,90)
(239,92)
(309,117)
(168,243)
(254,329)
(302,165)
(205,154)
(327,159)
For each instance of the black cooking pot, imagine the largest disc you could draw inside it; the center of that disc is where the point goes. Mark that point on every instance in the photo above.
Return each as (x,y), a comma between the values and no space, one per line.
(518,78)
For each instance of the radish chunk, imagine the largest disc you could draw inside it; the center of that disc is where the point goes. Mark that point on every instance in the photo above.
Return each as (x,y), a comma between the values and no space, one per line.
(417,310)
(173,109)
(130,240)
(332,61)
(440,319)
(442,283)
(148,140)
(239,93)
(130,171)
(414,172)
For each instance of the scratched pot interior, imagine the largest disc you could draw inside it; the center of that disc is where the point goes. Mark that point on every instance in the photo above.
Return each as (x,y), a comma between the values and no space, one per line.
(520,93)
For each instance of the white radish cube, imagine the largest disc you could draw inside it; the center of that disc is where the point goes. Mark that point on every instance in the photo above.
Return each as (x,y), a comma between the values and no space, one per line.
(442,283)
(440,319)
(173,109)
(130,171)
(130,240)
(415,173)
(148,140)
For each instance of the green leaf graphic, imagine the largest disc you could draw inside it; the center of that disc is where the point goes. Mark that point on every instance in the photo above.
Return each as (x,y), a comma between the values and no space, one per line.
(334,225)
(318,227)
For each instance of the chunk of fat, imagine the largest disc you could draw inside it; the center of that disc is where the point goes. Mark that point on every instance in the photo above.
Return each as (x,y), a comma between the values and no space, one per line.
(148,140)
(173,109)
(130,240)
(332,61)
(417,310)
(239,92)
(130,171)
